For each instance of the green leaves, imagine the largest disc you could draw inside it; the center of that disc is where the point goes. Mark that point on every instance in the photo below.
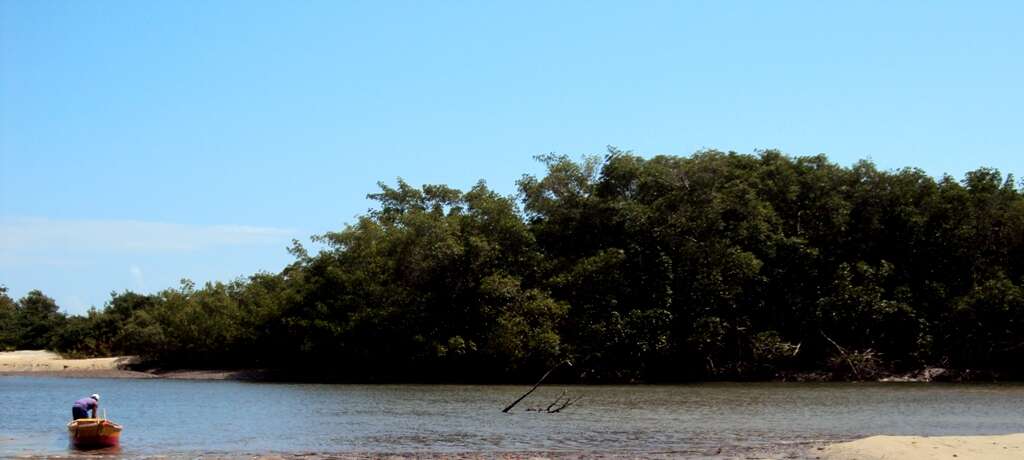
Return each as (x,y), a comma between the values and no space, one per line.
(715,265)
(38,321)
(522,323)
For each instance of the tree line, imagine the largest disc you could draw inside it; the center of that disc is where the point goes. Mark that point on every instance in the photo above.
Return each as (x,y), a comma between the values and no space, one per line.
(712,266)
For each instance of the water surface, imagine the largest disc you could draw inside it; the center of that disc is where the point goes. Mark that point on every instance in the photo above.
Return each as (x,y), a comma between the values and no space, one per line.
(192,418)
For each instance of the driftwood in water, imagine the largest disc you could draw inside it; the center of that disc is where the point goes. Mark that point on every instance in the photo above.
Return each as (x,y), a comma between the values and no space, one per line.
(568,402)
(558,404)
(510,406)
(548,409)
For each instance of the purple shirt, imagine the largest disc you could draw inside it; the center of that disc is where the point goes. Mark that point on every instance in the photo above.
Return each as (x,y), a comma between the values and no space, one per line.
(86,403)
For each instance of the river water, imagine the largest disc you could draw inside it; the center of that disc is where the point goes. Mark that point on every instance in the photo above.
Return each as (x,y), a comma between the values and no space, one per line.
(179,418)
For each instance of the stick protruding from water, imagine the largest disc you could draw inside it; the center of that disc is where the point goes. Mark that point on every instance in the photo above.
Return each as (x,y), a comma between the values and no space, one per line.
(510,406)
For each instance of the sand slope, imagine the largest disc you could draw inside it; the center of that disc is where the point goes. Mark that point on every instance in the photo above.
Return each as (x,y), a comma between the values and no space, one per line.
(1010,446)
(39,362)
(46,361)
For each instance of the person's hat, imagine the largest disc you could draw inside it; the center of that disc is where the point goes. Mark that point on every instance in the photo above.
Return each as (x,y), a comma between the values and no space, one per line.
(95,396)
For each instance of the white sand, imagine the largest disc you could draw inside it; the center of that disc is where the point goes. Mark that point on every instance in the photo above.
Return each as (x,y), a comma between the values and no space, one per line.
(46,361)
(1009,446)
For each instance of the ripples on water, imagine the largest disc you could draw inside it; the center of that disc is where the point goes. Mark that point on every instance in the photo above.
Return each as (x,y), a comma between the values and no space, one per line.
(192,418)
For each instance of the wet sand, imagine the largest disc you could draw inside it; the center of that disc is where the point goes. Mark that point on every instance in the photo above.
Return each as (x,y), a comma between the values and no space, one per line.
(1000,447)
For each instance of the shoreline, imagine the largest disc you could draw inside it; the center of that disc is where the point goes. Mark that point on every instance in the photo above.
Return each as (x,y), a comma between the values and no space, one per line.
(993,447)
(181,374)
(50,364)
(978,447)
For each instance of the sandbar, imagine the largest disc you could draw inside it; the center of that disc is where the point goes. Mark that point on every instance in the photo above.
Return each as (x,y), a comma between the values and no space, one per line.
(50,364)
(997,447)
(24,361)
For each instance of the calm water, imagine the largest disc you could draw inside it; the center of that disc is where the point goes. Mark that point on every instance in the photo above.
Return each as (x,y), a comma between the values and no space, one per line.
(190,418)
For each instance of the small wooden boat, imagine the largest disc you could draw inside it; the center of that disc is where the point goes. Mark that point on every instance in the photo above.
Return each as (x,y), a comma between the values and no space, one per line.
(94,433)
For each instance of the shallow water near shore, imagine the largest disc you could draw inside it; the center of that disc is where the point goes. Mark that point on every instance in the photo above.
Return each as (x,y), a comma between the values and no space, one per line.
(196,418)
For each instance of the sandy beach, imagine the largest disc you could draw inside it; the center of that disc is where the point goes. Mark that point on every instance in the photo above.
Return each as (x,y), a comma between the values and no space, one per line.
(1000,447)
(40,362)
(49,362)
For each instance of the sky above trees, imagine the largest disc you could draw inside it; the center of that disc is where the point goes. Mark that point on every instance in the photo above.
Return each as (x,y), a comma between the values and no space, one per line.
(141,143)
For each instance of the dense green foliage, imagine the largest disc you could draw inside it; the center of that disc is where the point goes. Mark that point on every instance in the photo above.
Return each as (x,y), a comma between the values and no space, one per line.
(718,265)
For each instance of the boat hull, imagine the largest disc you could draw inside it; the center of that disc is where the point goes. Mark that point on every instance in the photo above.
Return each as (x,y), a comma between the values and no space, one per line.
(91,433)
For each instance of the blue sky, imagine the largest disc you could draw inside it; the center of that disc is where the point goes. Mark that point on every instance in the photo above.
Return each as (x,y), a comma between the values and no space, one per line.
(145,142)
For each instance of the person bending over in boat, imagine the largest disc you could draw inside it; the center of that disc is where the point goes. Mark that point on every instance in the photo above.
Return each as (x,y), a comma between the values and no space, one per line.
(82,407)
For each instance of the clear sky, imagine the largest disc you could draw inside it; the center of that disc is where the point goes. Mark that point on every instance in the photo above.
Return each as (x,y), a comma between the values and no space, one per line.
(145,142)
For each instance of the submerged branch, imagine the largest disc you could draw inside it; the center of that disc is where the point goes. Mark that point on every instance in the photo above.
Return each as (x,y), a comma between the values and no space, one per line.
(546,374)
